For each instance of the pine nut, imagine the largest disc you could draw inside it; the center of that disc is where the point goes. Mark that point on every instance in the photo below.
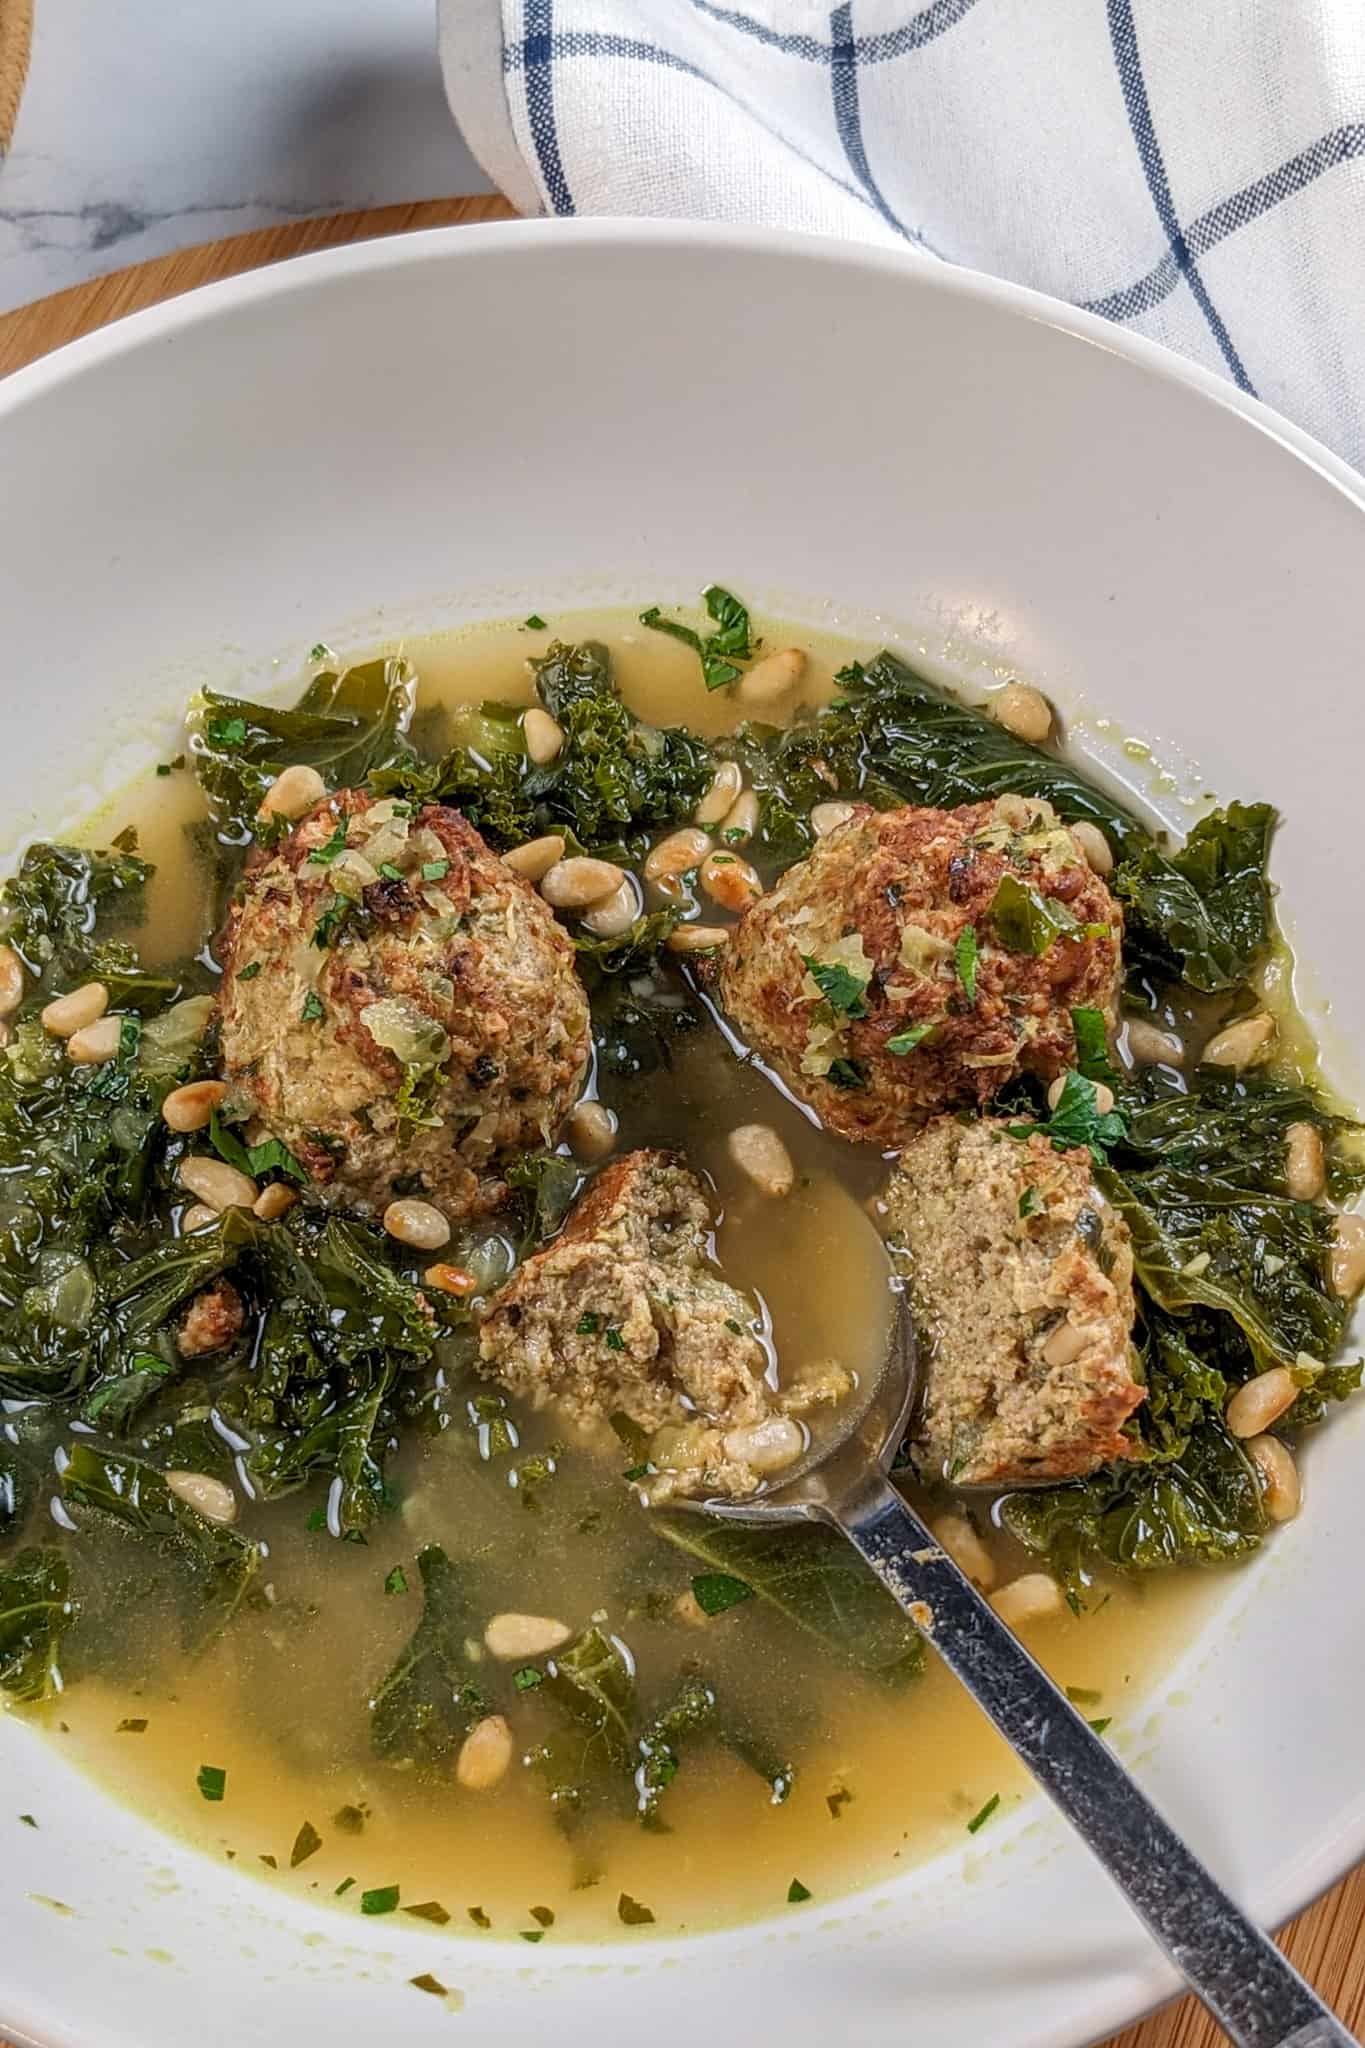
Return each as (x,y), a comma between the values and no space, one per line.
(191,1108)
(1104,1097)
(766,1447)
(544,736)
(827,818)
(208,1497)
(955,1534)
(720,798)
(418,1224)
(677,854)
(615,914)
(1149,1046)
(741,820)
(590,1129)
(1280,1488)
(66,1015)
(578,883)
(697,938)
(450,1280)
(1346,1266)
(770,680)
(730,881)
(1093,844)
(1305,1167)
(1023,711)
(510,1636)
(759,1153)
(274,1201)
(536,857)
(95,1043)
(292,793)
(11,981)
(484,1755)
(1066,1342)
(1241,1044)
(1034,1597)
(197,1217)
(217,1183)
(1261,1401)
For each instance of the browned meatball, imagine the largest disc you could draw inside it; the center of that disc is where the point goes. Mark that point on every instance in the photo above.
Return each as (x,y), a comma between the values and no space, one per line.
(212,1322)
(919,959)
(397,1006)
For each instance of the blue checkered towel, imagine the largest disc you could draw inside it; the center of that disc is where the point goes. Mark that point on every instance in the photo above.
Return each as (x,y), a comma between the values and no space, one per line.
(1194,169)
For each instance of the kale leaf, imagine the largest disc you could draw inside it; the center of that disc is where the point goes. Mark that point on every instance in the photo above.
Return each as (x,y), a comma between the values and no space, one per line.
(428,1703)
(36,1608)
(50,911)
(720,650)
(1202,915)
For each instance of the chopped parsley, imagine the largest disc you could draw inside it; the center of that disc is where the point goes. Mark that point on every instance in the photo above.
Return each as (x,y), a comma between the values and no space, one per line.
(430,1909)
(226,733)
(906,1041)
(714,1592)
(270,1156)
(426,1982)
(211,1782)
(312,1011)
(323,856)
(478,1916)
(1030,1202)
(307,1842)
(848,1074)
(329,925)
(837,1800)
(978,1820)
(1077,1120)
(534,623)
(249,972)
(28,1820)
(397,1580)
(134,1727)
(632,1913)
(432,870)
(797,1893)
(721,649)
(841,988)
(390,871)
(1092,1047)
(965,954)
(613,1339)
(543,1916)
(384,1899)
(528,1678)
(1083,1696)
(343,1887)
(735,1329)
(349,1819)
(531,1933)
(1100,1725)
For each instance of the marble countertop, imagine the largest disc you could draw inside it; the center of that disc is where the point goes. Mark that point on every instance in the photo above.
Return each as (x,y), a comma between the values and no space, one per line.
(147,127)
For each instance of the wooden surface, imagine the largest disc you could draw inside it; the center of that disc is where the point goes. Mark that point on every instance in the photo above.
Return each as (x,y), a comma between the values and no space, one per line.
(1324,1942)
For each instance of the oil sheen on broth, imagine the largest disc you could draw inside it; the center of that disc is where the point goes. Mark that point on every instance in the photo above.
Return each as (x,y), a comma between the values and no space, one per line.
(280,1702)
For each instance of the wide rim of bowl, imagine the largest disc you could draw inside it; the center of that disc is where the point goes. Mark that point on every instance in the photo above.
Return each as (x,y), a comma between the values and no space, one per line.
(1277,1894)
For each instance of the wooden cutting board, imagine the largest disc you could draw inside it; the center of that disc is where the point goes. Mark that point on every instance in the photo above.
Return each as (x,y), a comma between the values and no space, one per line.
(1324,1942)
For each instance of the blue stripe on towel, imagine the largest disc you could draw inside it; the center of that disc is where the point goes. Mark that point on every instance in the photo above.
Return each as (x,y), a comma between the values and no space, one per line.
(537,54)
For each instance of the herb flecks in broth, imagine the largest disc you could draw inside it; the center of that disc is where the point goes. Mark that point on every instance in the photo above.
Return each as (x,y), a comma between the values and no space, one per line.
(687,1690)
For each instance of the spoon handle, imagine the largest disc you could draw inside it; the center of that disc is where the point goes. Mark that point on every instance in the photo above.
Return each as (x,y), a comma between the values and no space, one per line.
(1255,1995)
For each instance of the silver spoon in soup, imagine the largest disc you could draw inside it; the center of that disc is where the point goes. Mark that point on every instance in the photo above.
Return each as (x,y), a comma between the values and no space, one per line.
(1256,1996)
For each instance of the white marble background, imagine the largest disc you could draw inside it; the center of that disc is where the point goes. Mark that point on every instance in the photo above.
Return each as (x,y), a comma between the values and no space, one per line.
(148,125)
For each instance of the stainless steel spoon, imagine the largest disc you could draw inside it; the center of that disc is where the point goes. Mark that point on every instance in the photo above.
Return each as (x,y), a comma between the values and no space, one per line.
(1257,1997)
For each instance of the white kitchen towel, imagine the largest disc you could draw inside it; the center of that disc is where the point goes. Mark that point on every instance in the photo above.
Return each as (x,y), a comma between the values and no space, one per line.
(1194,169)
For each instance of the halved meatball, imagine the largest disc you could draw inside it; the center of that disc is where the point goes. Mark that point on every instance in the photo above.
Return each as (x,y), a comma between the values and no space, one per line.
(624,1315)
(919,959)
(1020,1277)
(397,1006)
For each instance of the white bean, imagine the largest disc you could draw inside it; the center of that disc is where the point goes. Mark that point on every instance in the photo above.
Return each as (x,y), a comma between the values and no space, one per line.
(1305,1167)
(590,1129)
(197,1217)
(95,1043)
(729,880)
(1261,1401)
(769,680)
(955,1534)
(1034,1597)
(274,1201)
(1280,1488)
(417,1223)
(544,736)
(1023,711)
(1066,1342)
(698,938)
(208,1496)
(293,792)
(1104,1097)
(484,1755)
(615,914)
(677,854)
(1093,844)
(578,883)
(1150,1046)
(65,1015)
(741,820)
(1241,1044)
(513,1636)
(191,1108)
(828,817)
(720,798)
(766,1447)
(536,857)
(217,1183)
(760,1154)
(11,981)
(1346,1266)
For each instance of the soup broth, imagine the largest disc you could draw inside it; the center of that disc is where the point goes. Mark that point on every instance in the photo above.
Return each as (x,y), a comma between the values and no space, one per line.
(814,1773)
